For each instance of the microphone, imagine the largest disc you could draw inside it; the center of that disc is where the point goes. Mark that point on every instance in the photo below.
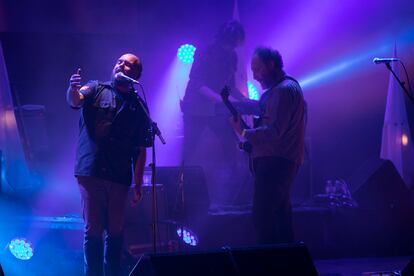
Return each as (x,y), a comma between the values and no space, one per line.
(122,76)
(384,60)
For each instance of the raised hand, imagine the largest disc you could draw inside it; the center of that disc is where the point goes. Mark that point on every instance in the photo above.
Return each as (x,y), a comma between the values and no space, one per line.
(73,96)
(75,80)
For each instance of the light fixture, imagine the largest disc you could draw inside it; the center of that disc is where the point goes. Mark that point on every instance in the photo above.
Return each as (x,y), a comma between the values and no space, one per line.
(186,53)
(21,249)
(188,236)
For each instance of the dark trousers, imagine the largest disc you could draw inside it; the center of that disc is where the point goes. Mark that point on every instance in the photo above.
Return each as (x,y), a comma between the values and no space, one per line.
(103,204)
(220,161)
(272,211)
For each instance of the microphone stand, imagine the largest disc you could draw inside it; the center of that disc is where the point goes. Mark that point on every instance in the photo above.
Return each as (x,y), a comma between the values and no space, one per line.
(402,84)
(154,131)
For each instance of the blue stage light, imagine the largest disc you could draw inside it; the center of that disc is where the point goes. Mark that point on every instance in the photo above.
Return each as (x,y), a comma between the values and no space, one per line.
(253,91)
(21,249)
(186,53)
(188,236)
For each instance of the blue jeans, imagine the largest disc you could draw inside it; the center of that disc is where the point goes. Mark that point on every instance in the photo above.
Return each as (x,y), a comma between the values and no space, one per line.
(103,204)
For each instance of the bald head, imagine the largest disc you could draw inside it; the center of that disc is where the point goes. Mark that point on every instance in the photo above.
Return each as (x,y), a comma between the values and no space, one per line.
(130,65)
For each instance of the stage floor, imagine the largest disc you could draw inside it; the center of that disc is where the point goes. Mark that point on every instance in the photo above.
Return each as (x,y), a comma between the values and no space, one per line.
(361,266)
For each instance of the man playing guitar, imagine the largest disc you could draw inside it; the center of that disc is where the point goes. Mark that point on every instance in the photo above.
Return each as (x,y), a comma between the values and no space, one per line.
(277,146)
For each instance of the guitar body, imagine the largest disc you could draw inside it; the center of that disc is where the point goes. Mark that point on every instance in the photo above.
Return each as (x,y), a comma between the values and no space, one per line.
(243,144)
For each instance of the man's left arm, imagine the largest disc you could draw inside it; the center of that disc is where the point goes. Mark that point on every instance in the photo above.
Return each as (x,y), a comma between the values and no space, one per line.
(138,174)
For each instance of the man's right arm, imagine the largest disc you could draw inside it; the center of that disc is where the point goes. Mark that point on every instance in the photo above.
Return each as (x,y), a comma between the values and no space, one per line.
(200,69)
(210,94)
(73,95)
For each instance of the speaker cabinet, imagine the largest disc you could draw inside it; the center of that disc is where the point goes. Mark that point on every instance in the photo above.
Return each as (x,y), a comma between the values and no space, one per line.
(377,185)
(289,259)
(382,223)
(408,269)
(285,259)
(185,264)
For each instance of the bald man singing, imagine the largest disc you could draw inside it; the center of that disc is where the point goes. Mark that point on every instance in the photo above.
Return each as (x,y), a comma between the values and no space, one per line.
(111,149)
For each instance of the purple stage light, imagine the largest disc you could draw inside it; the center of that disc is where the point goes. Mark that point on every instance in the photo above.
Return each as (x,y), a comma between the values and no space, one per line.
(188,236)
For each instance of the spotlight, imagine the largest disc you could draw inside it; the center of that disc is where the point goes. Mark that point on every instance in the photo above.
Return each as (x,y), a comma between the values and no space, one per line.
(188,236)
(186,53)
(21,249)
(404,139)
(253,91)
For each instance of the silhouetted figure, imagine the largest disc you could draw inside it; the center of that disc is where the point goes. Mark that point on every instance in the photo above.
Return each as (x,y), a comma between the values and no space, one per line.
(213,68)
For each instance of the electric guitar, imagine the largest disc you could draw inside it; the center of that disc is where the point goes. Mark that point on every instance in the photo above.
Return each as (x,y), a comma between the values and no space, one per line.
(243,144)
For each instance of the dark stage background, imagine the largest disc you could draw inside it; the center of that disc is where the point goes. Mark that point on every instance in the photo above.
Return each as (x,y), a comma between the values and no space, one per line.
(327,45)
(331,42)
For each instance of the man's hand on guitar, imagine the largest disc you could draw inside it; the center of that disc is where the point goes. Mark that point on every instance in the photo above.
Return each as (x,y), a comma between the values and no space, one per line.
(235,122)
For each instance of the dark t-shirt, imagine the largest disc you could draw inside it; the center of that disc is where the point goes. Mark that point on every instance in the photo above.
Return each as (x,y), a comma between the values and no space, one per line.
(112,128)
(213,67)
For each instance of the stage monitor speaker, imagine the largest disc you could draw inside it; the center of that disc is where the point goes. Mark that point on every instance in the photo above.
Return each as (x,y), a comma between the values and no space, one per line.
(408,269)
(288,259)
(377,185)
(283,259)
(185,264)
(382,223)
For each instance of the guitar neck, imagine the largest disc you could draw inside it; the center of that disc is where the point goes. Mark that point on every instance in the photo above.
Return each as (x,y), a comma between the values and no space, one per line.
(235,114)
